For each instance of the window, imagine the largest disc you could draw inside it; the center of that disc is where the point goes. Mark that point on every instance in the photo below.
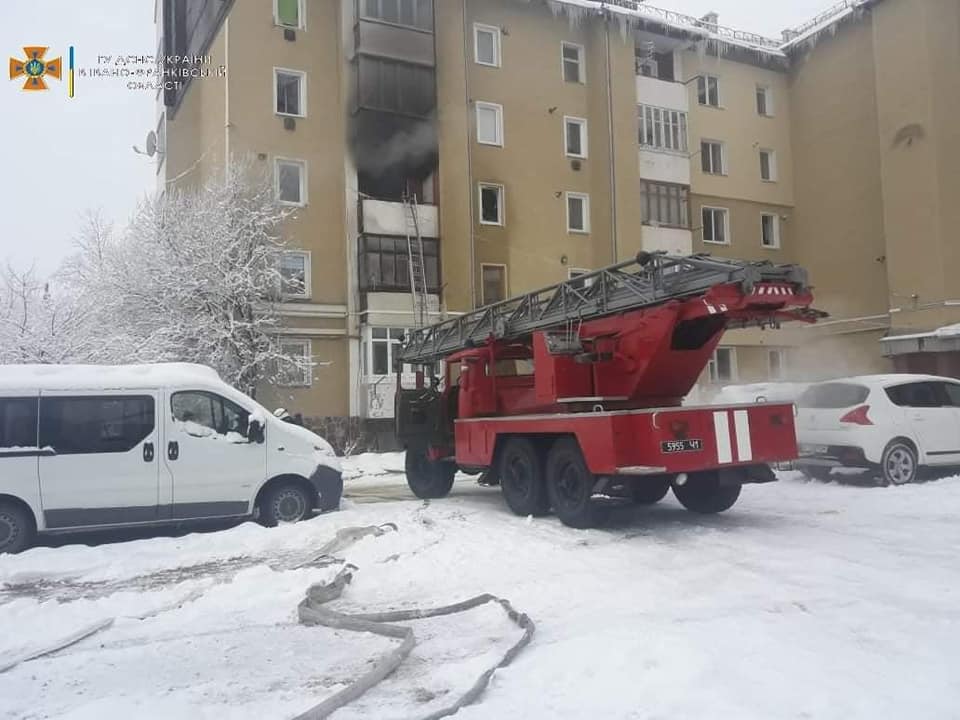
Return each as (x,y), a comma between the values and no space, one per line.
(491,204)
(96,424)
(768,165)
(575,137)
(297,370)
(777,362)
(833,396)
(295,274)
(382,348)
(288,13)
(578,212)
(770,230)
(489,124)
(290,92)
(573,63)
(662,129)
(918,395)
(764,101)
(18,423)
(659,65)
(210,411)
(385,264)
(486,39)
(291,182)
(716,225)
(708,90)
(413,13)
(394,86)
(664,204)
(494,283)
(953,394)
(711,156)
(574,273)
(722,367)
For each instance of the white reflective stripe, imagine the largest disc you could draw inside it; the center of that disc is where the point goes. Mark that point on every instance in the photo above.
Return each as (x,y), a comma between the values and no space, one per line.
(741,422)
(712,309)
(721,426)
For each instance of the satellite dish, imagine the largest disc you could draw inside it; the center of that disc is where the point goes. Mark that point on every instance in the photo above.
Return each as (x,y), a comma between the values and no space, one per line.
(151,143)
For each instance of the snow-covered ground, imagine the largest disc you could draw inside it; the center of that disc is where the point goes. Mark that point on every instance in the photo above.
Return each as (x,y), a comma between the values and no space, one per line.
(805,601)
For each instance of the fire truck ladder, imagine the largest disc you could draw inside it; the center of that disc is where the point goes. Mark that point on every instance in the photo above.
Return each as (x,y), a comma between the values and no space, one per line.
(647,281)
(417,266)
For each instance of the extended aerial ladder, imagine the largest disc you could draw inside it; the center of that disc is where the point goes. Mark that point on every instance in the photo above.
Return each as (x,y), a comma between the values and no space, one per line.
(576,390)
(416,263)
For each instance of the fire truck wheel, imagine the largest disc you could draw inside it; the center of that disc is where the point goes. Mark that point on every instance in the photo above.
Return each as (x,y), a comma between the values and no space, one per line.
(703,493)
(428,479)
(570,486)
(650,491)
(521,478)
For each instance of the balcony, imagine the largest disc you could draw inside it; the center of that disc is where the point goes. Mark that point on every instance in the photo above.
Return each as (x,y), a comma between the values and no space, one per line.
(662,93)
(382,217)
(397,42)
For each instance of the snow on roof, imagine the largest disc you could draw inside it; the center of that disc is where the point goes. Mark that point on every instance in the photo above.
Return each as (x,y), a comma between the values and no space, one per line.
(827,21)
(947,331)
(883,379)
(96,377)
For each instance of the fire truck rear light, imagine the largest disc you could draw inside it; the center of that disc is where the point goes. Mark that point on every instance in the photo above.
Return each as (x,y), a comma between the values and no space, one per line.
(858,416)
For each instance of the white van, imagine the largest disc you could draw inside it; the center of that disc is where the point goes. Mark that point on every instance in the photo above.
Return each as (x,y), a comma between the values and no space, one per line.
(84,447)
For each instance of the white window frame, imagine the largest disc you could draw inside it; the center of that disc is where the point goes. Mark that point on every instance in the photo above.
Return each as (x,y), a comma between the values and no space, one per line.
(369,342)
(276,89)
(776,231)
(567,197)
(307,345)
(706,78)
(713,366)
(300,16)
(277,161)
(581,62)
(497,44)
(723,157)
(574,273)
(771,164)
(581,123)
(781,353)
(307,276)
(768,101)
(506,282)
(726,225)
(498,109)
(501,197)
(660,121)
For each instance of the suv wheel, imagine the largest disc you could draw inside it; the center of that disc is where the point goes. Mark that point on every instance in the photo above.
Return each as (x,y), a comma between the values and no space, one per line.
(899,464)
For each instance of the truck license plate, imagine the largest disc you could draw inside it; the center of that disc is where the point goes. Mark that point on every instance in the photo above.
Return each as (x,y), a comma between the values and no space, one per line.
(669,447)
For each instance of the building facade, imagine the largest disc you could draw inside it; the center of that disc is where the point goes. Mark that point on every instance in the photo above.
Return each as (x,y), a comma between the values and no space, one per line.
(525,142)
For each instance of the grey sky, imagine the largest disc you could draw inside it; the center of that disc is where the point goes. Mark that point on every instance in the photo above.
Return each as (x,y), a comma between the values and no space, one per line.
(60,157)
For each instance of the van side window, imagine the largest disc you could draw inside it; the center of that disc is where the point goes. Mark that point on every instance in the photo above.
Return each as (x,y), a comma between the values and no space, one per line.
(18,423)
(88,424)
(210,411)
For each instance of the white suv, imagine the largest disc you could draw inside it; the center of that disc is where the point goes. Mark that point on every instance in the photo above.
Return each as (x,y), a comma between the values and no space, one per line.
(890,424)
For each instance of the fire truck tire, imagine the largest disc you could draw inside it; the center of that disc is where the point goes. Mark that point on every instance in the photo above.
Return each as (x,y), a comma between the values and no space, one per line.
(521,477)
(570,486)
(703,493)
(650,492)
(428,479)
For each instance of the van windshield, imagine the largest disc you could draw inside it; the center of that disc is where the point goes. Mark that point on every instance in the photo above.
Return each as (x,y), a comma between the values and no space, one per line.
(833,395)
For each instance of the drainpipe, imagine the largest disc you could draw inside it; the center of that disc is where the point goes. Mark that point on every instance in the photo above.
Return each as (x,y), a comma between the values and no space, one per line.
(612,146)
(469,148)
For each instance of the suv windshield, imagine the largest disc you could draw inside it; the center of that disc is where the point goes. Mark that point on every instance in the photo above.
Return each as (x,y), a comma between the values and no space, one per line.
(833,395)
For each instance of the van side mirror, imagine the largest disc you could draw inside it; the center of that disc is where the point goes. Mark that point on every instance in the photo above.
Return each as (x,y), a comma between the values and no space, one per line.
(255,431)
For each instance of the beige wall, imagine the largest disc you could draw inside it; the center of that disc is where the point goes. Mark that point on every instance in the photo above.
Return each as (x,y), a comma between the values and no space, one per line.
(744,132)
(745,230)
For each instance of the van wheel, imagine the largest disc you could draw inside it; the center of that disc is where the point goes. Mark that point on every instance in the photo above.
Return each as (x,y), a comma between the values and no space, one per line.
(16,528)
(899,465)
(428,479)
(285,503)
(521,478)
(703,493)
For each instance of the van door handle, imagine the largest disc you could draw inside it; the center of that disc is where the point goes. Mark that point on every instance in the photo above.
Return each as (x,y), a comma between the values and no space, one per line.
(148,452)
(173,450)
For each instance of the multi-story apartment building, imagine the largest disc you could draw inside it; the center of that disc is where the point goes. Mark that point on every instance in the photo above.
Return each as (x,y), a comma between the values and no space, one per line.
(543,138)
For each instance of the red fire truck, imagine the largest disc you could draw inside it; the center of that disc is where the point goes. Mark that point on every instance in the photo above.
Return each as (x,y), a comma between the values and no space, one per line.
(571,396)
